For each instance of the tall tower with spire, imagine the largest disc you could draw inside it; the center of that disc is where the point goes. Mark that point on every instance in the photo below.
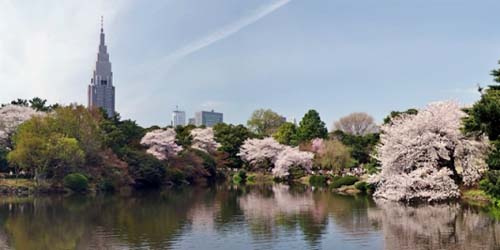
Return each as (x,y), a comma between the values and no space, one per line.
(101,92)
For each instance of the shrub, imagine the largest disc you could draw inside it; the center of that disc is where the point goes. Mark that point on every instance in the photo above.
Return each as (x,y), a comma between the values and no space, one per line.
(335,156)
(208,162)
(343,181)
(240,177)
(175,176)
(317,180)
(106,185)
(76,182)
(372,168)
(145,169)
(4,167)
(491,183)
(362,186)
(251,178)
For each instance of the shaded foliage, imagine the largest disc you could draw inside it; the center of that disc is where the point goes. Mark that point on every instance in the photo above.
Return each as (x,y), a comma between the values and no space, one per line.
(362,147)
(231,137)
(145,169)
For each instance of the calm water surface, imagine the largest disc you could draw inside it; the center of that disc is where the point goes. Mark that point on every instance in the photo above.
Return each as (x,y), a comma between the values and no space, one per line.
(257,217)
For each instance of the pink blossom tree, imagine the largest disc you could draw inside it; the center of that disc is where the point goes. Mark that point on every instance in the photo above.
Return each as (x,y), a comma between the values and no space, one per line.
(289,158)
(161,143)
(259,152)
(276,157)
(317,145)
(11,116)
(203,139)
(423,155)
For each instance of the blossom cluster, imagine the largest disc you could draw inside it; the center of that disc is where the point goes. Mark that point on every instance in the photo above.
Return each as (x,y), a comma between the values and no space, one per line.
(203,139)
(421,155)
(281,157)
(11,116)
(161,143)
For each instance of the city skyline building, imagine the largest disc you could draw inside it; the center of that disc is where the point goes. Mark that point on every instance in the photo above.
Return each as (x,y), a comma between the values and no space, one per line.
(101,91)
(208,118)
(178,117)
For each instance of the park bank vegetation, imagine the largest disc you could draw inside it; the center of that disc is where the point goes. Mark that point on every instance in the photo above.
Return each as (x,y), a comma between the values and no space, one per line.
(427,154)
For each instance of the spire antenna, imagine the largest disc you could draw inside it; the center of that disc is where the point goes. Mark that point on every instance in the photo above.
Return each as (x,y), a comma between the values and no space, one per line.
(102,23)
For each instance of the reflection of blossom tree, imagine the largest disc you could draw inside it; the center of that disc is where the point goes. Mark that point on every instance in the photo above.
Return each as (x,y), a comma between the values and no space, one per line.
(255,205)
(349,213)
(284,209)
(434,227)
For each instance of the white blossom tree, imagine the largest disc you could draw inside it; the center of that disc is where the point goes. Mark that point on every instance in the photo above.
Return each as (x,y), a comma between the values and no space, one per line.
(292,157)
(423,156)
(279,158)
(260,151)
(203,139)
(11,116)
(161,143)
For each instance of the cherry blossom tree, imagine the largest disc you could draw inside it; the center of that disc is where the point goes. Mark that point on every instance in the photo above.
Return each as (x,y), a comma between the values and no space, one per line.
(292,157)
(278,158)
(259,152)
(425,156)
(203,139)
(317,145)
(11,116)
(161,143)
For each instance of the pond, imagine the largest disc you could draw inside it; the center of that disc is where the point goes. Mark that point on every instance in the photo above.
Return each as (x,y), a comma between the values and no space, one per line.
(240,217)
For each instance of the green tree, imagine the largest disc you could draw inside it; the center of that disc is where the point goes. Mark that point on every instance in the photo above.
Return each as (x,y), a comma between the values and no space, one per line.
(183,135)
(231,137)
(265,122)
(335,156)
(484,118)
(39,104)
(145,169)
(44,153)
(4,166)
(287,134)
(117,133)
(35,103)
(58,143)
(362,147)
(395,114)
(64,155)
(311,127)
(20,102)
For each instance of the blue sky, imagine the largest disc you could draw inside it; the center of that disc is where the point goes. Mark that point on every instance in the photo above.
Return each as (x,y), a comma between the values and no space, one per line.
(334,56)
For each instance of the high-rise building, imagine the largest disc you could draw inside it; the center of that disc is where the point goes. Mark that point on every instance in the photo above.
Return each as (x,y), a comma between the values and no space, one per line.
(192,121)
(178,118)
(101,92)
(208,118)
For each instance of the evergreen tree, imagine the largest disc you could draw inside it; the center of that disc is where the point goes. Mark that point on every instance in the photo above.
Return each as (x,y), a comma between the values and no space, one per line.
(311,127)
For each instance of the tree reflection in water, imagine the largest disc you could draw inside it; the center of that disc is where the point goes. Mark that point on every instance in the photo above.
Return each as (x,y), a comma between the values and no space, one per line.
(228,217)
(441,226)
